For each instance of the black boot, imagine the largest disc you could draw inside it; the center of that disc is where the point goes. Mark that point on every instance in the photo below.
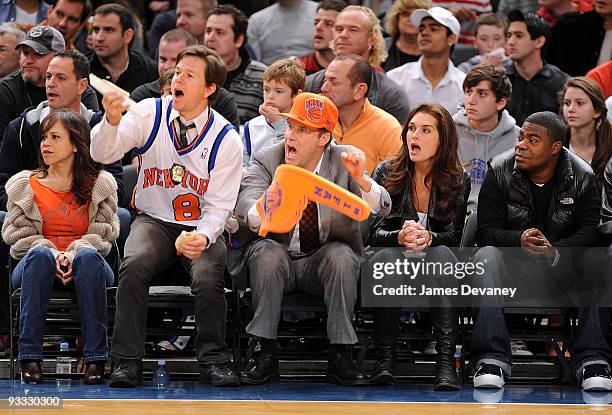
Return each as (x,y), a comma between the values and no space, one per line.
(127,374)
(445,330)
(340,366)
(384,368)
(262,364)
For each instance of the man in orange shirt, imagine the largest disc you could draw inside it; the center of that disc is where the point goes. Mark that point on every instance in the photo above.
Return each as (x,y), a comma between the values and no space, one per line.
(602,74)
(369,128)
(551,10)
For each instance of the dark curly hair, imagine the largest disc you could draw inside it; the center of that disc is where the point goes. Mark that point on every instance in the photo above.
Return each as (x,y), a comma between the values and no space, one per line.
(84,169)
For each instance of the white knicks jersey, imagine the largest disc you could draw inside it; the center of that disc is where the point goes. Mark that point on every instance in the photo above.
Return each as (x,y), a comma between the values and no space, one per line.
(172,181)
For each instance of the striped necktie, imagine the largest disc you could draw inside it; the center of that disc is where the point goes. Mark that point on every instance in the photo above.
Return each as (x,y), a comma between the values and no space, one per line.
(183,132)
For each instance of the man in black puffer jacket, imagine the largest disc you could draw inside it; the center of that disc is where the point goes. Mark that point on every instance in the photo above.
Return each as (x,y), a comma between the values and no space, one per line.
(542,198)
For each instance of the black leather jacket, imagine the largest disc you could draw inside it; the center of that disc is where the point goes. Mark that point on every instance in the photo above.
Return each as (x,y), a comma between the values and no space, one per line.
(507,208)
(384,231)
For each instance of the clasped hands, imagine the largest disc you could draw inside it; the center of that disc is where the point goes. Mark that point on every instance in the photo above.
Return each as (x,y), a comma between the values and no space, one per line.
(414,237)
(535,243)
(63,268)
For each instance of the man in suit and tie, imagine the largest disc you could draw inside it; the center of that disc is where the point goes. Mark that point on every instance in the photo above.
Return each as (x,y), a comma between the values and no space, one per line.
(321,255)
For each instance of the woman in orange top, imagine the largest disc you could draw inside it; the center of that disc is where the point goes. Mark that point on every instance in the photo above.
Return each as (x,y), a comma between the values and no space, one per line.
(61,221)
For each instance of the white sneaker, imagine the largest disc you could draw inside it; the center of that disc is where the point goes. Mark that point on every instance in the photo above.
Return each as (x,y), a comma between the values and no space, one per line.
(597,398)
(489,376)
(519,348)
(483,395)
(596,377)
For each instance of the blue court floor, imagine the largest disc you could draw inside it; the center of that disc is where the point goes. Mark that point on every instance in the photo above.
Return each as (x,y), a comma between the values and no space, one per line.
(301,391)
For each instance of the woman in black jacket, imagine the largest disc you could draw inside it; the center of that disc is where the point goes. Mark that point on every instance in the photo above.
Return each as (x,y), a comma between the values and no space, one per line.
(429,191)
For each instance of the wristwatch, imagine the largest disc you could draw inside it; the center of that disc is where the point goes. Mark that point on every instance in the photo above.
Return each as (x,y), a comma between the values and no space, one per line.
(556,260)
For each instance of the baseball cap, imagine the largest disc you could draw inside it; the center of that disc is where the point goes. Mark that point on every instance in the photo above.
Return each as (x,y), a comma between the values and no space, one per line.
(44,39)
(440,15)
(314,111)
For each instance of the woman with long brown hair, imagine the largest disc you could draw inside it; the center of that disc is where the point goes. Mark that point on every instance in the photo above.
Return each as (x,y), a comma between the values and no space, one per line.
(429,191)
(583,107)
(61,221)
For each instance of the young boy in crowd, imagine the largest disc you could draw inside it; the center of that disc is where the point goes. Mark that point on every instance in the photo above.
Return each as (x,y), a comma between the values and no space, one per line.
(484,127)
(283,81)
(490,40)
(164,82)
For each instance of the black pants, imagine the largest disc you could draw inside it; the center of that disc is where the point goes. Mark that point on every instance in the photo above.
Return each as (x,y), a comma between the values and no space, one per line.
(386,319)
(148,250)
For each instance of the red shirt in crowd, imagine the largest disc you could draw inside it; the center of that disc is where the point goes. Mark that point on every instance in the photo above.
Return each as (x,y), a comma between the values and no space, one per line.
(551,19)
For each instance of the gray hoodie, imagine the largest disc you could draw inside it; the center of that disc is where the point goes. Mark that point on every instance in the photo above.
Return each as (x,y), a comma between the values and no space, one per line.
(476,148)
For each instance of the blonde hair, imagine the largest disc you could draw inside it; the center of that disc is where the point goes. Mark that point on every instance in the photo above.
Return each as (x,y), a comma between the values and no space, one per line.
(290,71)
(378,52)
(399,6)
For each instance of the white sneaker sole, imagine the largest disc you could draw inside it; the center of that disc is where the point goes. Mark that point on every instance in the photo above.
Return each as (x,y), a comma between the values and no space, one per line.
(489,381)
(597,384)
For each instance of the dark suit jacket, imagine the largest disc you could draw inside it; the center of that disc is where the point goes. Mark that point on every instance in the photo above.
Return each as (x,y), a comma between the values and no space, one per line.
(334,226)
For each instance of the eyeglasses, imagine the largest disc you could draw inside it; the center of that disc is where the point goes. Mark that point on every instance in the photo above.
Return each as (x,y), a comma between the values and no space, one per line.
(300,129)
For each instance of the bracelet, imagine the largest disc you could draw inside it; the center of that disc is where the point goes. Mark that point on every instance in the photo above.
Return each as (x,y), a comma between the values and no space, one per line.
(430,239)
(556,260)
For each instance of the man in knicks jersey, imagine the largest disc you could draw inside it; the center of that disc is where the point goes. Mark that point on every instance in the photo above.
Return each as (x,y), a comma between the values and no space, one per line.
(189,177)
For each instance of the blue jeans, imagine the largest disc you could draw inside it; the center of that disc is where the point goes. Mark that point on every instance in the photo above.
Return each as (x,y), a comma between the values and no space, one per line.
(4,284)
(490,338)
(35,274)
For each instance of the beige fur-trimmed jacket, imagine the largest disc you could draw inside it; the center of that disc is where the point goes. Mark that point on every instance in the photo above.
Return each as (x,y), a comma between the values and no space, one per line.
(22,228)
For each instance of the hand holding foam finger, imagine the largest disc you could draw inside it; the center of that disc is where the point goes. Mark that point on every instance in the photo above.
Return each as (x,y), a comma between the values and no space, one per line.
(114,107)
(105,88)
(281,206)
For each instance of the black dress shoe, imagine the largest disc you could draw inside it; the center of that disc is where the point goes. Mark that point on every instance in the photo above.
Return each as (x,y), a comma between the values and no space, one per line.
(384,368)
(340,366)
(260,369)
(94,373)
(127,374)
(219,374)
(30,371)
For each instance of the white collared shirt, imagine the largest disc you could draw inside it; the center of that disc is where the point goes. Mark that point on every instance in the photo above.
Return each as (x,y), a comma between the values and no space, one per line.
(372,198)
(448,92)
(200,122)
